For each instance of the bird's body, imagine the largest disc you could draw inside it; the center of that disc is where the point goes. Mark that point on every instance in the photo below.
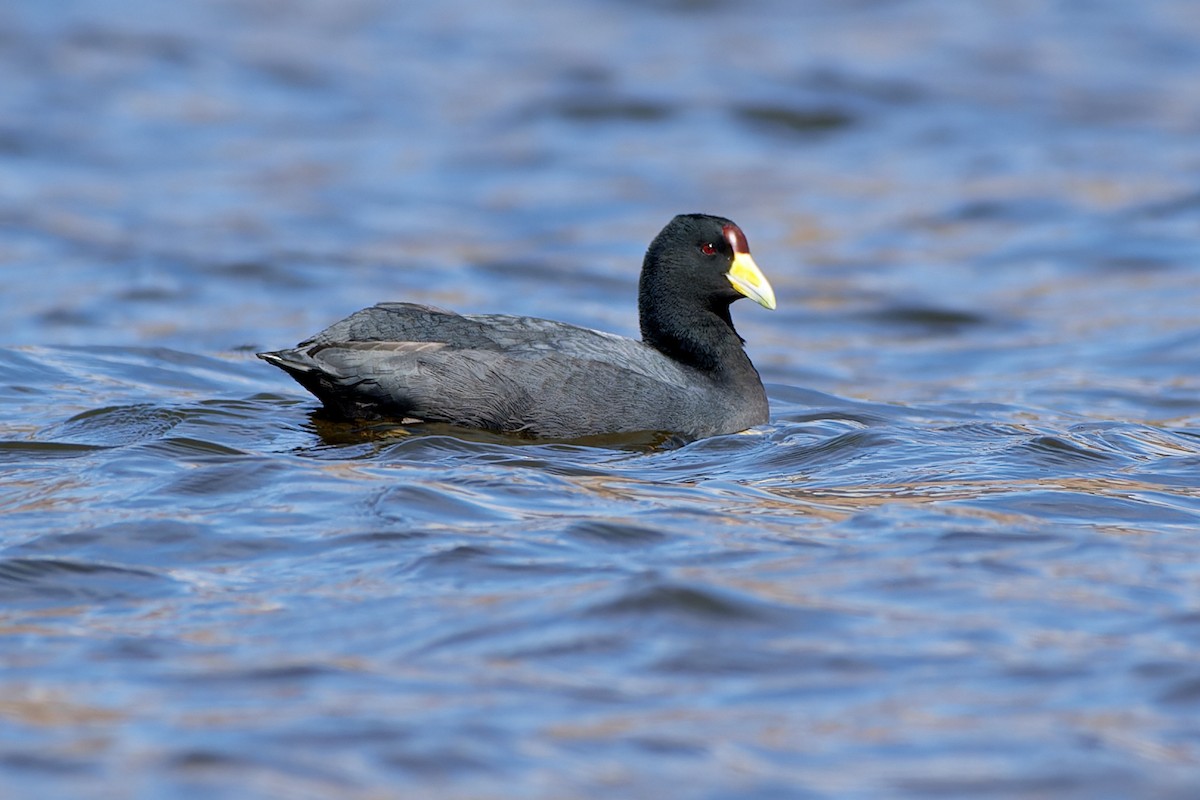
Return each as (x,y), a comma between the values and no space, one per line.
(513,374)
(546,379)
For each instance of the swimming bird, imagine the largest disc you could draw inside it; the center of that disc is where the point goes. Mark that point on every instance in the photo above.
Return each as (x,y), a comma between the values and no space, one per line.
(688,376)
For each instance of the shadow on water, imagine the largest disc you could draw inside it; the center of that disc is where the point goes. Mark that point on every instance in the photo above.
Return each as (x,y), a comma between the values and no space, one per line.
(333,431)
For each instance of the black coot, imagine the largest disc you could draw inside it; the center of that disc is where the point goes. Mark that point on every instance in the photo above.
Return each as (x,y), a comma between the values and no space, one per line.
(689,375)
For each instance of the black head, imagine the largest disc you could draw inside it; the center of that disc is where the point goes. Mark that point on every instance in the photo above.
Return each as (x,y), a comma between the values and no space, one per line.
(694,269)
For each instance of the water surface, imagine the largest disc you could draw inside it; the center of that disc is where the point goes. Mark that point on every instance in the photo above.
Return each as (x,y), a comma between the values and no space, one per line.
(961,561)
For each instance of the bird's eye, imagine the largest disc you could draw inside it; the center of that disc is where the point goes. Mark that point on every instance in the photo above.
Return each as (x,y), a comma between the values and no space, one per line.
(708,248)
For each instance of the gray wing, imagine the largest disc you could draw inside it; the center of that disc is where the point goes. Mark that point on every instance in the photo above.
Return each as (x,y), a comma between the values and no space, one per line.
(517,374)
(402,325)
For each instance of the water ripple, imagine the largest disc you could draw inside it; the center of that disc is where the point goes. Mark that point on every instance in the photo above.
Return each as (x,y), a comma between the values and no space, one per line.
(52,581)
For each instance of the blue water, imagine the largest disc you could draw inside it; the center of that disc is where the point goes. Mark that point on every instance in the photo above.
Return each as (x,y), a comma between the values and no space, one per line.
(962,560)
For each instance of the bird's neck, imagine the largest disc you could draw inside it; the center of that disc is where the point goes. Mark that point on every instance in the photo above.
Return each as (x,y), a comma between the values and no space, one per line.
(706,341)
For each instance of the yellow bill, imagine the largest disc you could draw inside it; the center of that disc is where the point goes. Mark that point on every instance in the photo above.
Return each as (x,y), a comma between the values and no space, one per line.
(747,279)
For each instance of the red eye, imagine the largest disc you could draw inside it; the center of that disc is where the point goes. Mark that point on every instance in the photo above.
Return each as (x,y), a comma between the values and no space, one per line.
(708,248)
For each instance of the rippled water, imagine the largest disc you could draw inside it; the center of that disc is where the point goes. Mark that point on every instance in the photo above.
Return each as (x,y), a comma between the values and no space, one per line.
(962,560)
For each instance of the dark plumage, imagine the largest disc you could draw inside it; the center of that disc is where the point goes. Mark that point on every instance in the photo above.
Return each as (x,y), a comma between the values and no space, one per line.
(689,375)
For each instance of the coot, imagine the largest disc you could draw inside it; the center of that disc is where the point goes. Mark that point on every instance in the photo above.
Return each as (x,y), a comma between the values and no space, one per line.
(539,378)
